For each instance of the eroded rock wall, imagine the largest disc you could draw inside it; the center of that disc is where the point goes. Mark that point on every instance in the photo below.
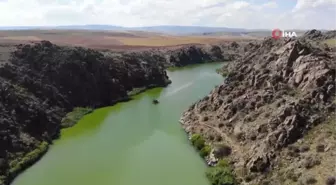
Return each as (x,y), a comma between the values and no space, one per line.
(40,83)
(272,98)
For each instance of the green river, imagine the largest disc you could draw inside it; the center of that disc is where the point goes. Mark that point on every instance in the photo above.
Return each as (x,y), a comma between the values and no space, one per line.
(131,143)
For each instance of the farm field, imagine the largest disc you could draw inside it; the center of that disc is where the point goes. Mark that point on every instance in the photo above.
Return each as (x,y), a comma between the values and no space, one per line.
(113,40)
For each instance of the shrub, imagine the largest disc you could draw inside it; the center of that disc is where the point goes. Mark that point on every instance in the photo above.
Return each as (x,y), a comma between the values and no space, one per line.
(221,174)
(205,151)
(199,144)
(223,163)
(198,141)
(194,138)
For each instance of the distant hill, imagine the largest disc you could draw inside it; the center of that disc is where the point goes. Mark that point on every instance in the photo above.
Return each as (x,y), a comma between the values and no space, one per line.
(163,29)
(188,29)
(176,30)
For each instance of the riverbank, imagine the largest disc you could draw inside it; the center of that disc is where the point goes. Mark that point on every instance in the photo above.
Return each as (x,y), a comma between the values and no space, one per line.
(58,79)
(215,155)
(42,82)
(70,119)
(276,95)
(128,140)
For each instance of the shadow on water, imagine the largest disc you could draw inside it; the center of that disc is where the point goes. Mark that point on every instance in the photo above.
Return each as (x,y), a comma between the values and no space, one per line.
(137,121)
(89,124)
(192,66)
(134,142)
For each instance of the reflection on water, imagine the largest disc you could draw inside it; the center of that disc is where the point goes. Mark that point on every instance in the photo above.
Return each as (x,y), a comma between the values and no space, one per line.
(179,89)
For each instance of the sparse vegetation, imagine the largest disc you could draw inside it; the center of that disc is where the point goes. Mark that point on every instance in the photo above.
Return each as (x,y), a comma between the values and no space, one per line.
(73,117)
(19,164)
(308,181)
(221,174)
(136,91)
(331,42)
(222,71)
(199,143)
(311,161)
(205,151)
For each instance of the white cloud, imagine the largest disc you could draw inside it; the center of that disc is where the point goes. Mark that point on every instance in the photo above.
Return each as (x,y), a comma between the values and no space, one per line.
(228,13)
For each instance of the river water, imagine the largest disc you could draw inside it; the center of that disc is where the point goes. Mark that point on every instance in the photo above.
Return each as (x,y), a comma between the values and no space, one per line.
(131,143)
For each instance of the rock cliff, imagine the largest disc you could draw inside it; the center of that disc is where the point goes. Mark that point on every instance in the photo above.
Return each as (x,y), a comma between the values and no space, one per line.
(276,111)
(40,83)
(192,54)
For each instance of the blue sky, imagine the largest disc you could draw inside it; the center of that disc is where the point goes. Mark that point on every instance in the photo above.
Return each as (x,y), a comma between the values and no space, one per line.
(257,14)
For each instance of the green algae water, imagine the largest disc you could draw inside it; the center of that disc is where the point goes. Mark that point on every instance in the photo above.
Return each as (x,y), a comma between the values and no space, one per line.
(134,142)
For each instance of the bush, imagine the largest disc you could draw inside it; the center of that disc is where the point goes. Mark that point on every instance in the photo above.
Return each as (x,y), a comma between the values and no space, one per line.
(205,151)
(194,138)
(223,163)
(220,176)
(197,141)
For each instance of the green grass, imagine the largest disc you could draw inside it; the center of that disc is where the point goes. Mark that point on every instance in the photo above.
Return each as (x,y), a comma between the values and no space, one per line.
(73,117)
(221,174)
(330,42)
(19,164)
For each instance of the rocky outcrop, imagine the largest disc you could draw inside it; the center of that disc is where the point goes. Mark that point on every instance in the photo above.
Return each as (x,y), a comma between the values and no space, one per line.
(192,54)
(42,82)
(319,35)
(273,96)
